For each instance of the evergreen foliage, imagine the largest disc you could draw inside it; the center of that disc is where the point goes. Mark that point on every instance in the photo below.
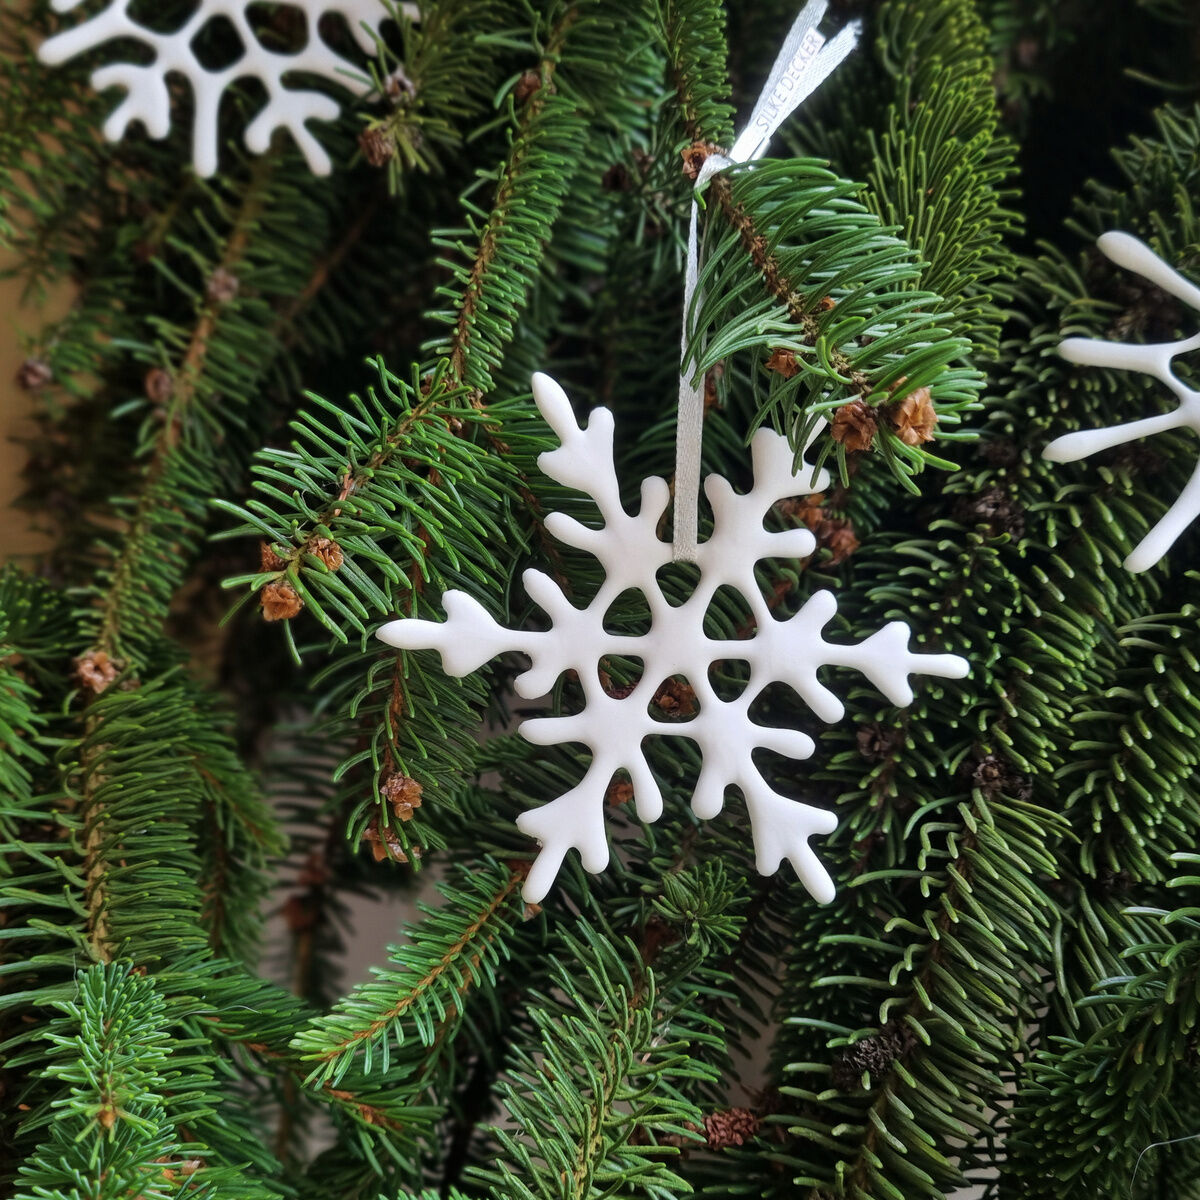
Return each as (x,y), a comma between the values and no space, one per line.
(281,410)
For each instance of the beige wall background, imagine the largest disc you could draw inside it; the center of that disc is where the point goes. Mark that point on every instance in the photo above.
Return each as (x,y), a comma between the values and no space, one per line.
(18,536)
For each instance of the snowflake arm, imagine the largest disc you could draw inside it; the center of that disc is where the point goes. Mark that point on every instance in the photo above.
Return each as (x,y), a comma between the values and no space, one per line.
(739,540)
(626,546)
(615,728)
(1154,360)
(793,651)
(462,653)
(147,98)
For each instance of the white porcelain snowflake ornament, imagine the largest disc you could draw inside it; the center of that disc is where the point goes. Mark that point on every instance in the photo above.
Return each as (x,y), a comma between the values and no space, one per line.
(147,99)
(1126,251)
(630,550)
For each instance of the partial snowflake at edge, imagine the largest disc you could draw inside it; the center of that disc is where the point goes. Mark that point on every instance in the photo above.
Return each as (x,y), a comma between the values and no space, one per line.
(147,97)
(1155,360)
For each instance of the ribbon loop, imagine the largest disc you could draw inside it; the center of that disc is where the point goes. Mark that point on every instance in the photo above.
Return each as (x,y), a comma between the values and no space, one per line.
(804,62)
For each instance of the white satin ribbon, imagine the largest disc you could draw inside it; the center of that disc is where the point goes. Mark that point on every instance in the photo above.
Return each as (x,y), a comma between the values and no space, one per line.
(803,64)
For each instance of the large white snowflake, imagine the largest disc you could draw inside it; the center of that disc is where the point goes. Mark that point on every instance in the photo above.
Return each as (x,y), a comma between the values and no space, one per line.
(629,548)
(1126,251)
(148,100)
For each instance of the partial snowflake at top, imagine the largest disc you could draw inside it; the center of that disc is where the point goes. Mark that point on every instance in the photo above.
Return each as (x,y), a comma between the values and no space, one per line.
(613,728)
(1126,251)
(147,97)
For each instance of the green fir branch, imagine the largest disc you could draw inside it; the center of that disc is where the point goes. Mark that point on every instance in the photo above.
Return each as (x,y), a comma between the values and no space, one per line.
(419,996)
(588,1111)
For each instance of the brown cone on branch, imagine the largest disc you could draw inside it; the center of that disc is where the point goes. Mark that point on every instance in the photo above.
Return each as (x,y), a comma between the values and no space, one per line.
(268,559)
(854,426)
(403,793)
(96,670)
(383,841)
(280,601)
(783,362)
(377,145)
(914,418)
(328,551)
